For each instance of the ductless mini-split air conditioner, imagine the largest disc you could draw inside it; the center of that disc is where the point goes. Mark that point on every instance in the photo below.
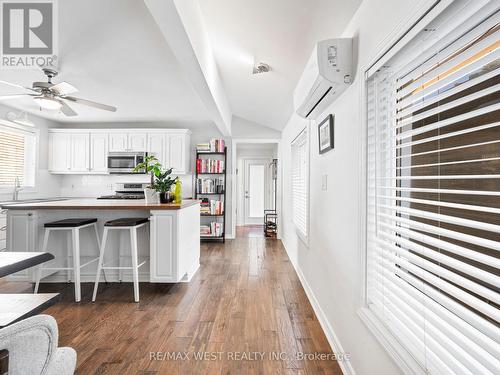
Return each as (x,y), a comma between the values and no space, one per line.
(327,74)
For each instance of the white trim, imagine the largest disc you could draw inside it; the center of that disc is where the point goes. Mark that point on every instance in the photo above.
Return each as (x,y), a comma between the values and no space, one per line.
(395,350)
(333,340)
(234,164)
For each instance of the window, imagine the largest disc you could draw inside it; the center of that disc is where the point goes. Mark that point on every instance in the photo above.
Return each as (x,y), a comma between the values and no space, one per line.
(433,228)
(300,183)
(17,156)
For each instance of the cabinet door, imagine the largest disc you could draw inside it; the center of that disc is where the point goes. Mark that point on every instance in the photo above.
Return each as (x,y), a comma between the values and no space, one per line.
(137,141)
(176,153)
(80,152)
(156,146)
(21,236)
(163,265)
(59,155)
(117,142)
(98,152)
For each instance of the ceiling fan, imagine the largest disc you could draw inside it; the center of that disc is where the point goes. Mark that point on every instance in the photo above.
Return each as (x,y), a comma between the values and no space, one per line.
(53,96)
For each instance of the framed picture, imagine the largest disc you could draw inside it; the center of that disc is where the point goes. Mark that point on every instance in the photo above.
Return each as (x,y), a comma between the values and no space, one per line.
(325,134)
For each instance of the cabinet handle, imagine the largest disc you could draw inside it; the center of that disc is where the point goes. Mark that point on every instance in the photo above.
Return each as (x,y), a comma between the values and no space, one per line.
(3,229)
(3,212)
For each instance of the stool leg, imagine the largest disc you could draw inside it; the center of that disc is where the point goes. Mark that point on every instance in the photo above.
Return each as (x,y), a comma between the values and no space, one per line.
(99,247)
(69,254)
(39,269)
(135,268)
(99,265)
(76,263)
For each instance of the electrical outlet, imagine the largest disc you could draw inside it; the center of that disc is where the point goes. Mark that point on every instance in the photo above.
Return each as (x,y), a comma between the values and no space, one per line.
(324,182)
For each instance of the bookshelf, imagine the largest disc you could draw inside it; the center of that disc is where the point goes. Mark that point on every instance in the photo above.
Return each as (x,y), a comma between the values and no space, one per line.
(219,193)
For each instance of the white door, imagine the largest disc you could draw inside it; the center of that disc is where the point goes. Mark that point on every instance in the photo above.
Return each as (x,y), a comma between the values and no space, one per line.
(117,142)
(176,153)
(137,141)
(256,182)
(80,152)
(59,154)
(156,146)
(98,152)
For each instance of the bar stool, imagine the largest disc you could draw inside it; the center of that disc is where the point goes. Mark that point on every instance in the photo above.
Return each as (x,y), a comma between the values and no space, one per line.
(130,224)
(73,226)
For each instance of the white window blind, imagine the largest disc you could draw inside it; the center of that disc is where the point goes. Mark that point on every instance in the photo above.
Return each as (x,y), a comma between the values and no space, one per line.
(17,156)
(300,183)
(433,225)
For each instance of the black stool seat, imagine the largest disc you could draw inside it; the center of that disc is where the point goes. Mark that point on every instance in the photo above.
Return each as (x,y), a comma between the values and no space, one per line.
(69,223)
(126,222)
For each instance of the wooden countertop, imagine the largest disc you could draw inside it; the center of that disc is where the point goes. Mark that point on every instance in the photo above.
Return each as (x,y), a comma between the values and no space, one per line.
(100,204)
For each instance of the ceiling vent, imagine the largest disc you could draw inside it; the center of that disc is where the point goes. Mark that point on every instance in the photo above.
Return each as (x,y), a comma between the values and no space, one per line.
(261,68)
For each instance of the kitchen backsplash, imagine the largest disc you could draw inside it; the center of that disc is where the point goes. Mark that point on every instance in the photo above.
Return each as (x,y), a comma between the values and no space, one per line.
(97,185)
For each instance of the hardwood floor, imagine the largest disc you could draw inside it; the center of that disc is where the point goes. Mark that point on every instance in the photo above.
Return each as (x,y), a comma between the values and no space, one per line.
(253,231)
(246,298)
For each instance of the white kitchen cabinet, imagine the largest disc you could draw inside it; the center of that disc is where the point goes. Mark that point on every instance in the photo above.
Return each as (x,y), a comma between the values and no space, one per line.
(156,145)
(98,152)
(174,246)
(21,236)
(117,141)
(79,152)
(176,155)
(123,141)
(74,151)
(59,152)
(68,152)
(137,141)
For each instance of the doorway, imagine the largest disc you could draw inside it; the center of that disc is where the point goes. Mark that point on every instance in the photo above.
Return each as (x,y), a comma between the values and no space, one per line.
(255,194)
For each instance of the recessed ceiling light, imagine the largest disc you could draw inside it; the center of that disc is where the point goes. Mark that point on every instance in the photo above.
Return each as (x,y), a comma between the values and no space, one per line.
(261,68)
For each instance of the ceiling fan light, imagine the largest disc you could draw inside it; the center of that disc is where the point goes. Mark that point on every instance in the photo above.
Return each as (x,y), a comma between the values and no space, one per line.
(47,103)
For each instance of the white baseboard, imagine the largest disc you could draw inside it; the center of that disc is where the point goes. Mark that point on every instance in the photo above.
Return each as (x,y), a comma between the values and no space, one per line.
(189,275)
(332,338)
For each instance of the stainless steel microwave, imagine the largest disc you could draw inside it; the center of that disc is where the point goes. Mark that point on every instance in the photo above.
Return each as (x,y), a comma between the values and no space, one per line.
(125,162)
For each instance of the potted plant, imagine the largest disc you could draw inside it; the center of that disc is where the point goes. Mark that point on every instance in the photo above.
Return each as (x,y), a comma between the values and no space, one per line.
(163,185)
(152,166)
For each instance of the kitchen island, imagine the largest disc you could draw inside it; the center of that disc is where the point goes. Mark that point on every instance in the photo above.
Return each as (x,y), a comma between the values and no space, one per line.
(171,242)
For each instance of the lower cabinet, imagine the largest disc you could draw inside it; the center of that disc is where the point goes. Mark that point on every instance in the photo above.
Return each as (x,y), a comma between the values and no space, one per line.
(22,236)
(174,245)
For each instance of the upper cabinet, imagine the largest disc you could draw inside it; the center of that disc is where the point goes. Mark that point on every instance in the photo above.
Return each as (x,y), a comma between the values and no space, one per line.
(69,152)
(172,148)
(99,152)
(77,151)
(125,141)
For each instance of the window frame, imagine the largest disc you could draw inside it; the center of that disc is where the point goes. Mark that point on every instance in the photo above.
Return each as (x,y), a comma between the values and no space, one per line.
(304,237)
(390,46)
(9,125)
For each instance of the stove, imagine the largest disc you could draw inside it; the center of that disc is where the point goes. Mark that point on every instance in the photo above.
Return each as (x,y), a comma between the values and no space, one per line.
(127,191)
(123,196)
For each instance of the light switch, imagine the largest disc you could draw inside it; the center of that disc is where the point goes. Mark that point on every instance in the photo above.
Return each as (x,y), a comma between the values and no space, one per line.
(324,182)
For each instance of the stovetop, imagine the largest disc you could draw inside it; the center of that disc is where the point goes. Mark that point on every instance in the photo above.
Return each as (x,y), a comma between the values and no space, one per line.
(122,196)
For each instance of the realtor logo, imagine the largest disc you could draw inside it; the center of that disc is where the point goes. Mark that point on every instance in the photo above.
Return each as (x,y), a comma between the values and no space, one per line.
(28,33)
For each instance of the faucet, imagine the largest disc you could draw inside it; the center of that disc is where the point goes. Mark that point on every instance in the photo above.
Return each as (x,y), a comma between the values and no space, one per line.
(17,189)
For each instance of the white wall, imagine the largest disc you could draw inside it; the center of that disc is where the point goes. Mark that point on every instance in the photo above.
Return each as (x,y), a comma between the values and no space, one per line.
(331,265)
(47,185)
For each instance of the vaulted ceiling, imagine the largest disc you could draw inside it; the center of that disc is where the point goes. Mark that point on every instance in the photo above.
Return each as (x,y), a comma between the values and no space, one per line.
(114,52)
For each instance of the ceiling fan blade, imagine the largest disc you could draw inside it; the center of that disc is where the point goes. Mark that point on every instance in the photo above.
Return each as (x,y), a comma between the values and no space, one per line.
(66,109)
(16,85)
(90,103)
(63,88)
(14,96)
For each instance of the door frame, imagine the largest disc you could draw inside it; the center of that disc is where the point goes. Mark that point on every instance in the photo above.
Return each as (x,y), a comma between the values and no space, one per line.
(234,192)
